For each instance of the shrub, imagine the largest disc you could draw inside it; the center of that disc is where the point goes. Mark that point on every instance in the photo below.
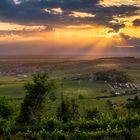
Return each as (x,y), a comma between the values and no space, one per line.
(7,108)
(81,96)
(92,113)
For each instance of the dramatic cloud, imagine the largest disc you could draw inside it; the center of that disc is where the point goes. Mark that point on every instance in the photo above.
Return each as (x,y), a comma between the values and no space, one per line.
(62,13)
(136,22)
(99,23)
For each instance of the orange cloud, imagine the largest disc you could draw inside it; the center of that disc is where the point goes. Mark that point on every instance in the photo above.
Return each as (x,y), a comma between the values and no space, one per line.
(81,14)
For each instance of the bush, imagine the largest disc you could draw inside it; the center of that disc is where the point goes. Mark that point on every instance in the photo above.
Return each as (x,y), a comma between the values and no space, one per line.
(68,109)
(81,96)
(92,113)
(7,108)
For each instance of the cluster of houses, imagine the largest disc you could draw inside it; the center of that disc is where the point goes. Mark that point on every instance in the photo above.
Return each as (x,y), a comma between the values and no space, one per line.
(125,86)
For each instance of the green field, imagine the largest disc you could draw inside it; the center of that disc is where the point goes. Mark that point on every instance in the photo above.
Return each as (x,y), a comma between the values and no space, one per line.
(12,86)
(88,90)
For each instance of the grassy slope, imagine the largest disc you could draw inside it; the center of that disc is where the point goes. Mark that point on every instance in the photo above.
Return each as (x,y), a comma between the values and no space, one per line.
(68,68)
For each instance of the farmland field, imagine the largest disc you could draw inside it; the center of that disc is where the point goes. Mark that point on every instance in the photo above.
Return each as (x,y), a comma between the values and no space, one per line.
(15,73)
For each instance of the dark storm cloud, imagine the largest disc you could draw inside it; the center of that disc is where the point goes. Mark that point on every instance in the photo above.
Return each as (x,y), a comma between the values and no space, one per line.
(31,12)
(136,22)
(6,3)
(64,4)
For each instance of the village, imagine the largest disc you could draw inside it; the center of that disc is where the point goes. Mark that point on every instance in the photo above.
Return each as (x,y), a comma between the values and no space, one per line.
(125,88)
(125,85)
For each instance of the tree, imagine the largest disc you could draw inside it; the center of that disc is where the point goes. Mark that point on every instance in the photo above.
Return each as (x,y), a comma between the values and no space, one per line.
(112,76)
(134,104)
(40,86)
(68,109)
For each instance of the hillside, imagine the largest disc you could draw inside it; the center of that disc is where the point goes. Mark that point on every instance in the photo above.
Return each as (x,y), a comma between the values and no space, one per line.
(67,68)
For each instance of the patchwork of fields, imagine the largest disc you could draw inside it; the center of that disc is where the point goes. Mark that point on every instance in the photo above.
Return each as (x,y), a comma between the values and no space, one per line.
(11,85)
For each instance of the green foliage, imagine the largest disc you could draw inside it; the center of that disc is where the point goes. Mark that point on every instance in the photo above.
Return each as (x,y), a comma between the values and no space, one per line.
(81,129)
(37,90)
(68,109)
(109,104)
(92,113)
(7,108)
(50,124)
(81,96)
(134,104)
(67,124)
(112,76)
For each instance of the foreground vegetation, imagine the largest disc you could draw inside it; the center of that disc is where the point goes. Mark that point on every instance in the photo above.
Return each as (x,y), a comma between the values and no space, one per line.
(31,121)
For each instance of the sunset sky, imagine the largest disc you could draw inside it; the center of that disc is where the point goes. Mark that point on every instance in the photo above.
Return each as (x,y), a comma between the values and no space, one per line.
(70,27)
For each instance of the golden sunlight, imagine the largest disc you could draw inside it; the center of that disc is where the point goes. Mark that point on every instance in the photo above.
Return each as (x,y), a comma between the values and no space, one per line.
(119,2)
(5,26)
